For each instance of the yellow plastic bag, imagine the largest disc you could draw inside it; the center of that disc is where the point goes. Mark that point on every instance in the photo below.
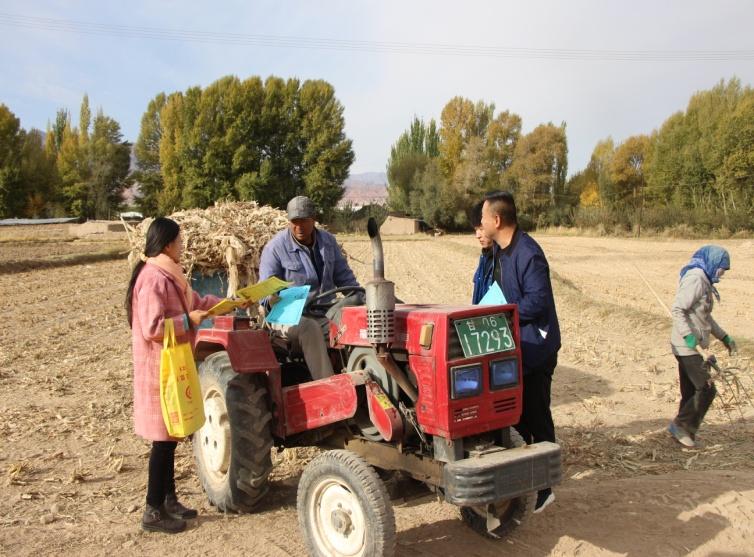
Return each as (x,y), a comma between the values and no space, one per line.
(180,392)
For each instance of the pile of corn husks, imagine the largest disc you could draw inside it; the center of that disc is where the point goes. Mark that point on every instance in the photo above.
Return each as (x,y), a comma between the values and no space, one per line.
(228,236)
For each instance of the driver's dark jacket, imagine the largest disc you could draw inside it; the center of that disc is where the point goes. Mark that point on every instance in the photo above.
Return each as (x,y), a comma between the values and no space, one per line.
(286,259)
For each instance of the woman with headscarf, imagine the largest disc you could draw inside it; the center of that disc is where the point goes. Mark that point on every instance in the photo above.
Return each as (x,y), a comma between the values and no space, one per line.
(693,326)
(159,290)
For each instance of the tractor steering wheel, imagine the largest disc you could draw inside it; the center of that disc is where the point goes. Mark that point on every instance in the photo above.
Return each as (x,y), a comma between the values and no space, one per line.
(312,306)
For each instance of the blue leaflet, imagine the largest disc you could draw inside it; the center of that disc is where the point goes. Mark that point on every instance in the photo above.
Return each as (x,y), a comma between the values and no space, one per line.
(289,308)
(493,297)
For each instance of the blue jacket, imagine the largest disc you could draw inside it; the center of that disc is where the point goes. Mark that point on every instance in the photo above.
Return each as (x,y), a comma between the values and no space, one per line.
(284,258)
(483,276)
(525,280)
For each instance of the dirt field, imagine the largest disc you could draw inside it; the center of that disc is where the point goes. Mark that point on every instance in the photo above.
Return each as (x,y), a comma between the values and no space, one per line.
(72,473)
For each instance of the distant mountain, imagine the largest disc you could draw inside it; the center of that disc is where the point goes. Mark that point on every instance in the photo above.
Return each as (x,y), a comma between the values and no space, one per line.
(366,178)
(364,189)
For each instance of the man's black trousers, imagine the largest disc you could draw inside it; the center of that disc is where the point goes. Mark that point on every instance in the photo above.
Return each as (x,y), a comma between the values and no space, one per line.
(536,419)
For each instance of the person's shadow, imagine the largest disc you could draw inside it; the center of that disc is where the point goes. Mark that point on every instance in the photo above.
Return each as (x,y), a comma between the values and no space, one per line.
(570,384)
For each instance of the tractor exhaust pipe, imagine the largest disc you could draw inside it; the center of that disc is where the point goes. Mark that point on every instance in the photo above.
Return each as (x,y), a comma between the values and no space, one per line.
(380,295)
(378,258)
(380,302)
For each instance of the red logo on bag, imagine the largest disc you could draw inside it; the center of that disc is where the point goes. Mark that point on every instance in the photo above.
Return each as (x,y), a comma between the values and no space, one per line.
(188,392)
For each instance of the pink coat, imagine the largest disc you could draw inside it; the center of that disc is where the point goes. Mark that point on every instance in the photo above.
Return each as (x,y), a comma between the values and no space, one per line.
(155,298)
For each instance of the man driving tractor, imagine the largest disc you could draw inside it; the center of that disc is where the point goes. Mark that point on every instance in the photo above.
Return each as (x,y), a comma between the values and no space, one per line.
(304,254)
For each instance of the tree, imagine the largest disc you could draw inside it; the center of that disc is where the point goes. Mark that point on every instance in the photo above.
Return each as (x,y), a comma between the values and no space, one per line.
(502,136)
(602,157)
(473,175)
(691,147)
(627,170)
(735,184)
(74,173)
(93,167)
(328,153)
(172,141)
(434,196)
(147,150)
(461,120)
(264,141)
(11,195)
(474,150)
(109,159)
(583,187)
(408,158)
(56,131)
(539,168)
(38,175)
(85,120)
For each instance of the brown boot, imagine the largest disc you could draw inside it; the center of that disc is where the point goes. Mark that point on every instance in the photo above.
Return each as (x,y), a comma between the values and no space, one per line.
(159,520)
(176,510)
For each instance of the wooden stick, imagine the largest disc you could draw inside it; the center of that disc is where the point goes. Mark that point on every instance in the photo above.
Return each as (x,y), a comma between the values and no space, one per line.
(652,290)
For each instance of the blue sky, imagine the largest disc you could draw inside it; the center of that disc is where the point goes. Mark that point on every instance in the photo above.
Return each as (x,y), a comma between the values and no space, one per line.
(42,70)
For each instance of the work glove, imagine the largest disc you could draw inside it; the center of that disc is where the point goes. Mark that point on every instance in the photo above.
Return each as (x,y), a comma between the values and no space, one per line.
(730,344)
(691,341)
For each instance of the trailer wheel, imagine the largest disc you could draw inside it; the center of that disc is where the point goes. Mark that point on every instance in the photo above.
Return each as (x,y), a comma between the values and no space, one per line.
(496,521)
(232,449)
(344,508)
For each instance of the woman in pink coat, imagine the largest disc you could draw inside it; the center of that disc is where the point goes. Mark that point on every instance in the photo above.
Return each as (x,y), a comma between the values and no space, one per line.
(158,291)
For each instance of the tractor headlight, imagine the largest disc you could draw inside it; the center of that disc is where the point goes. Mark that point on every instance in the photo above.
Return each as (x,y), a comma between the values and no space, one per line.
(466,380)
(504,373)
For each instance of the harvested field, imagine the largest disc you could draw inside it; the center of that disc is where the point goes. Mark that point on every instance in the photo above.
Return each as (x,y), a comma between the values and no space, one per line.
(73,473)
(34,247)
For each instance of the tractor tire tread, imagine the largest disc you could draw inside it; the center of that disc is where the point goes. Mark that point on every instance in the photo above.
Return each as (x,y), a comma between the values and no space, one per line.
(251,437)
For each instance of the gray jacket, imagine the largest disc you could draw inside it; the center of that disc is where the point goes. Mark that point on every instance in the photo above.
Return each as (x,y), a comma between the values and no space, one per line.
(692,313)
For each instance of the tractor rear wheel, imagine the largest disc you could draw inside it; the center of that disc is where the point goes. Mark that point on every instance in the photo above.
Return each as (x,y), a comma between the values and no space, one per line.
(232,449)
(496,521)
(344,509)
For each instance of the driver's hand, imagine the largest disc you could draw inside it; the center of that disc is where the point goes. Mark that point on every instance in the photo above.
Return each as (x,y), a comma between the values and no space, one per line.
(274,299)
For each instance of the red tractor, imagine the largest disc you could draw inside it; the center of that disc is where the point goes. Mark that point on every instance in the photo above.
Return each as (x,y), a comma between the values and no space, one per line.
(430,391)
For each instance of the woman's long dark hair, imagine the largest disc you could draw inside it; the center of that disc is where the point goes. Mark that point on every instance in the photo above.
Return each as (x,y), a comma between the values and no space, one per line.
(160,234)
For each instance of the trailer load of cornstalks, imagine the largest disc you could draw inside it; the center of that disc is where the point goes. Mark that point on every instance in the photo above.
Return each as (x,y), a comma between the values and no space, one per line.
(227,237)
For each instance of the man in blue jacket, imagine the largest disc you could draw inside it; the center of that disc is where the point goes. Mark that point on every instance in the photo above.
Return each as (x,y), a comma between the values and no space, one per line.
(483,276)
(304,254)
(523,275)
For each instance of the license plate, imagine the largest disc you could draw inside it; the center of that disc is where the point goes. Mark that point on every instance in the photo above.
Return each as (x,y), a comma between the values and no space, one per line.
(484,335)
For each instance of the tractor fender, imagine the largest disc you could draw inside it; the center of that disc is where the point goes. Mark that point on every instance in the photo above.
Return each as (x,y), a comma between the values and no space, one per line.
(249,350)
(383,414)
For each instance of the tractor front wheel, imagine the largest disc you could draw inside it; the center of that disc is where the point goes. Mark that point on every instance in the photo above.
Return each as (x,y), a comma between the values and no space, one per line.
(232,449)
(498,520)
(344,509)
